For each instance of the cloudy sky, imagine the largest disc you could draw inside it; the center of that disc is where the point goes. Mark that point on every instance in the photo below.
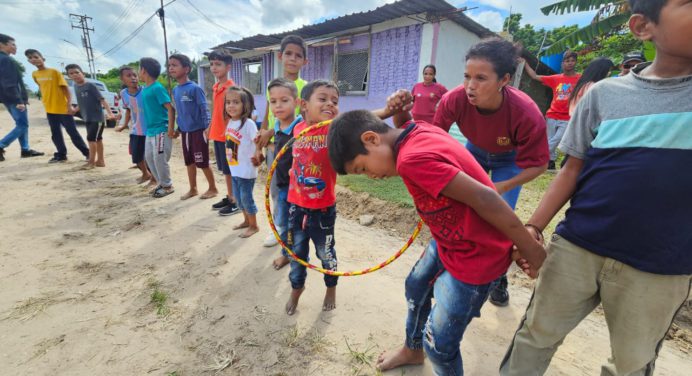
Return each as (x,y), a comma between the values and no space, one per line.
(196,25)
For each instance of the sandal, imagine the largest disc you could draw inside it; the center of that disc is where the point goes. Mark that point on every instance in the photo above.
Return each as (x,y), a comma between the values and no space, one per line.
(163,192)
(153,191)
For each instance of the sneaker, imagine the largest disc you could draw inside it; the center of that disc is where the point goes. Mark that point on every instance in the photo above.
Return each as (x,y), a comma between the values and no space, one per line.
(221,204)
(2,154)
(551,166)
(31,153)
(57,160)
(229,209)
(270,241)
(500,296)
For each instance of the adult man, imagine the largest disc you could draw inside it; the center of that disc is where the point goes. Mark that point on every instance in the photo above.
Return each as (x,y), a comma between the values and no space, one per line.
(630,60)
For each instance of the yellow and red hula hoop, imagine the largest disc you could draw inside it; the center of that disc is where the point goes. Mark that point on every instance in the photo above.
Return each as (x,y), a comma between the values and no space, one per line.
(306,264)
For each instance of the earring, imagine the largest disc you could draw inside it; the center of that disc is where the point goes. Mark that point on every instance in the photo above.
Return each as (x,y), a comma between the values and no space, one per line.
(500,89)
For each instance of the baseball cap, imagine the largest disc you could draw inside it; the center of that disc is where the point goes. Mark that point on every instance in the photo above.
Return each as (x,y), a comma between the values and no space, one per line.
(633,55)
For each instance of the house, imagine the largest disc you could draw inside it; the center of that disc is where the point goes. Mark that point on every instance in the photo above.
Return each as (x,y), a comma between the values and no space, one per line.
(368,54)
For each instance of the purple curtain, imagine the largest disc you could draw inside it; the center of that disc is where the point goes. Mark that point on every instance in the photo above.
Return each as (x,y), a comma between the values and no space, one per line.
(394,59)
(267,69)
(237,71)
(320,61)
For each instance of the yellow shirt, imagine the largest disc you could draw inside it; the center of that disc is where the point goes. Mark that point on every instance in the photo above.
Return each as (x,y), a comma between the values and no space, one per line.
(49,81)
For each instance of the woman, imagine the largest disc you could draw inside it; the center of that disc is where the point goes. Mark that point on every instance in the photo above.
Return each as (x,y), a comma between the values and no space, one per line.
(597,70)
(426,95)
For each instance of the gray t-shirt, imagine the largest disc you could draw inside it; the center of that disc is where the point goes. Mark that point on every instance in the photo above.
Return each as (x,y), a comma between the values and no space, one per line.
(89,101)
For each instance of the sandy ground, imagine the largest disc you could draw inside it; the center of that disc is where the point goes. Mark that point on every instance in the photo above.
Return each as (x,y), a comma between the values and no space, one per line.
(83,251)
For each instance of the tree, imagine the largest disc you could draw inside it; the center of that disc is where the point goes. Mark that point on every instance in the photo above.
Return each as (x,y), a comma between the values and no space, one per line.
(532,39)
(612,47)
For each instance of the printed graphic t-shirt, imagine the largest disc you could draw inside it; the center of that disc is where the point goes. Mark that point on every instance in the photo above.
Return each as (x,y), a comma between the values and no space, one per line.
(312,177)
(562,87)
(89,100)
(240,147)
(471,249)
(133,102)
(49,82)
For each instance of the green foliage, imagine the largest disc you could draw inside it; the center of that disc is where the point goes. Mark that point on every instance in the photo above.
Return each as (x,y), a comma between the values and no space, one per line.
(612,47)
(569,6)
(531,38)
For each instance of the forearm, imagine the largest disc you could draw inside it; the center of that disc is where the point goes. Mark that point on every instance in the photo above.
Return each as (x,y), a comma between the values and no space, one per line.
(558,193)
(265,119)
(525,176)
(66,92)
(171,118)
(126,123)
(106,107)
(401,118)
(531,72)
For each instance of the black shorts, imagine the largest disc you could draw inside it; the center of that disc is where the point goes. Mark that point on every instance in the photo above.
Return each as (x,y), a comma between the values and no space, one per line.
(195,148)
(220,154)
(94,130)
(137,144)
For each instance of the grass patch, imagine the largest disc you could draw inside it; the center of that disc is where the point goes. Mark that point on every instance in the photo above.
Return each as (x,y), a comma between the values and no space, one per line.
(159,299)
(390,189)
(361,359)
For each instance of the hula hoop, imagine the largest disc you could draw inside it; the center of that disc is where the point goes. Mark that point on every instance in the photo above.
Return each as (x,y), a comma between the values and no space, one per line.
(306,264)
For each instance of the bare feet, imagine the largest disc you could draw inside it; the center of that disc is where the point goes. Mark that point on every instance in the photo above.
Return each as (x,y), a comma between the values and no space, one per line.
(142,179)
(152,183)
(245,224)
(100,164)
(190,193)
(87,166)
(292,302)
(280,262)
(400,357)
(329,299)
(249,232)
(209,194)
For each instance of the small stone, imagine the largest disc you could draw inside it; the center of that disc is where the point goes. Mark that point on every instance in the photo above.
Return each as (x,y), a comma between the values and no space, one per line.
(366,220)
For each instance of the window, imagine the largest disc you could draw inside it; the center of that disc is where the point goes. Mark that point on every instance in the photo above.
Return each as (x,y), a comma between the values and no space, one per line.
(252,77)
(352,72)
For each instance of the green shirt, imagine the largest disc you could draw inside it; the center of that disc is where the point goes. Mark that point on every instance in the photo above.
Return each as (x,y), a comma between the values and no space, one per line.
(154,97)
(300,83)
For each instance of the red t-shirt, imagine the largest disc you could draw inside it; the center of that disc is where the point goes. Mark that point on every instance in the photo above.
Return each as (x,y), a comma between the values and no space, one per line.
(425,98)
(312,177)
(217,130)
(517,125)
(470,248)
(562,87)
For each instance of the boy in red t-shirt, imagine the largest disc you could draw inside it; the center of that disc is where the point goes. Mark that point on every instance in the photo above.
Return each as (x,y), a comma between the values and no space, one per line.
(473,226)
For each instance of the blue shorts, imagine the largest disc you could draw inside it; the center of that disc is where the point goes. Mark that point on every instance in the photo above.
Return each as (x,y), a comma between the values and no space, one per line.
(220,154)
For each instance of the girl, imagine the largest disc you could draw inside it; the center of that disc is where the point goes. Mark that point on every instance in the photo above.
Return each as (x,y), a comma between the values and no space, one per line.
(240,148)
(426,95)
(597,70)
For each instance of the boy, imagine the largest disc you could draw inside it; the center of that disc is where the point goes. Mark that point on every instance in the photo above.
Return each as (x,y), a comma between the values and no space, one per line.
(90,104)
(56,99)
(283,98)
(220,66)
(562,85)
(470,222)
(160,118)
(193,120)
(132,103)
(13,95)
(293,57)
(625,241)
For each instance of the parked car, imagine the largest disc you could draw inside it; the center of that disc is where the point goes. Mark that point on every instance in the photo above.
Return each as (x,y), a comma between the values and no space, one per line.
(112,99)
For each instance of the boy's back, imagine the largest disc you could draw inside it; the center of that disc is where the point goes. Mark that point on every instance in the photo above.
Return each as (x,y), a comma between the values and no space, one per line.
(154,97)
(191,107)
(471,249)
(89,101)
(49,81)
(632,199)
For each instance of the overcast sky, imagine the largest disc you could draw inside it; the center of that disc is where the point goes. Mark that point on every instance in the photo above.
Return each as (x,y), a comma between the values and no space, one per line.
(45,24)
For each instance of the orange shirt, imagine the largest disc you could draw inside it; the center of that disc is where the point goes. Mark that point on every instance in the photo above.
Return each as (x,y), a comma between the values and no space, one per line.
(217,130)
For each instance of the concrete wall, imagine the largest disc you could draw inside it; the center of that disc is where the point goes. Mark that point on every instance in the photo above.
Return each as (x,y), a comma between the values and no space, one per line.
(453,43)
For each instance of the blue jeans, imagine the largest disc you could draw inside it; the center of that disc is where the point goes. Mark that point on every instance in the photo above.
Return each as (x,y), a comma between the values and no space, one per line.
(67,121)
(281,206)
(20,130)
(501,167)
(318,225)
(456,304)
(242,190)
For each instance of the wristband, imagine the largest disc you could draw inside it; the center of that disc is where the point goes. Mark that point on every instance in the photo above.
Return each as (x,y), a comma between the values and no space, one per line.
(540,232)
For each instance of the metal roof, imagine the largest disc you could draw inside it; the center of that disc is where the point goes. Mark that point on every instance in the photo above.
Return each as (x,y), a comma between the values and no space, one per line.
(433,9)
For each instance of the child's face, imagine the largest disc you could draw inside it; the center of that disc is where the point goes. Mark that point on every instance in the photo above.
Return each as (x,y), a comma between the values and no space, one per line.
(76,75)
(234,105)
(282,103)
(218,68)
(176,70)
(322,105)
(671,34)
(129,78)
(379,163)
(35,60)
(292,58)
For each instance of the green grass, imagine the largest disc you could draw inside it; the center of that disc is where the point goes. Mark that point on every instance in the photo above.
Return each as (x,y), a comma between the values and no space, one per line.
(391,189)
(159,299)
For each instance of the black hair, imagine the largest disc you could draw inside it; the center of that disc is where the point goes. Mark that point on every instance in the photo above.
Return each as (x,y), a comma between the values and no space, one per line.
(124,69)
(183,60)
(310,87)
(32,51)
(151,66)
(282,82)
(344,143)
(568,54)
(431,66)
(248,101)
(651,9)
(294,39)
(502,54)
(219,56)
(4,39)
(68,67)
(597,70)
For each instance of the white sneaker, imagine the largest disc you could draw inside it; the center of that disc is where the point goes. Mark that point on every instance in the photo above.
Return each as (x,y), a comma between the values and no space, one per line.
(270,241)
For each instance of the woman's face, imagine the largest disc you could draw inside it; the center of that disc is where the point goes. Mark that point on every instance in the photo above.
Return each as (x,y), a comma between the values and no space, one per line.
(428,75)
(483,86)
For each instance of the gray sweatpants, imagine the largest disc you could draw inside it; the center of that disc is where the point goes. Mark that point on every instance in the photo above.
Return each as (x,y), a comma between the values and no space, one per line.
(157,152)
(555,129)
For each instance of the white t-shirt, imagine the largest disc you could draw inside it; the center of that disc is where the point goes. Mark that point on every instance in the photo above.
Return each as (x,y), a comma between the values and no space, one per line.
(240,147)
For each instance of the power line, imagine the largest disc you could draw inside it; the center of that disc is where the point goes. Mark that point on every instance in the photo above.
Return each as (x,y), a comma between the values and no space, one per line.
(82,23)
(208,18)
(108,34)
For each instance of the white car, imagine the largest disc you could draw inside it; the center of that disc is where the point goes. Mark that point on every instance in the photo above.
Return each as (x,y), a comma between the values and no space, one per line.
(112,99)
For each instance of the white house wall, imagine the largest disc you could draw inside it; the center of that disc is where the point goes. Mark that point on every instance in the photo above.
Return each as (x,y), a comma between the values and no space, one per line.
(453,43)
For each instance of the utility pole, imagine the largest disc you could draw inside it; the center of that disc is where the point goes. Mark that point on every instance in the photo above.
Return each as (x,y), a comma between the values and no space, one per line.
(161,14)
(81,22)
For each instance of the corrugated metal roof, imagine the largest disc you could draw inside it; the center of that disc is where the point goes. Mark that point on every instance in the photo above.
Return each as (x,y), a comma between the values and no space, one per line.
(384,13)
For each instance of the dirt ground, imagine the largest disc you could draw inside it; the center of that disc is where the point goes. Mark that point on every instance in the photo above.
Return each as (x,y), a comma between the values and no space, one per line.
(99,278)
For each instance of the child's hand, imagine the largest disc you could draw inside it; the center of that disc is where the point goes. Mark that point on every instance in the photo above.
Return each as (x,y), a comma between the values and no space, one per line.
(110,117)
(172,133)
(120,127)
(537,256)
(400,101)
(257,159)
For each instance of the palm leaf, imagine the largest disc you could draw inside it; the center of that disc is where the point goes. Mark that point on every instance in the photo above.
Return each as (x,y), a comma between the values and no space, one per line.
(588,33)
(569,6)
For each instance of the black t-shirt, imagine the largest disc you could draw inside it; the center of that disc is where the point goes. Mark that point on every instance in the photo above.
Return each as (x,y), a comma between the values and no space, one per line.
(89,100)
(281,138)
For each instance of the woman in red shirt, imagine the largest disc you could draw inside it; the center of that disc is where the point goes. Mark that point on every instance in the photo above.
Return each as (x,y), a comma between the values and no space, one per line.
(426,95)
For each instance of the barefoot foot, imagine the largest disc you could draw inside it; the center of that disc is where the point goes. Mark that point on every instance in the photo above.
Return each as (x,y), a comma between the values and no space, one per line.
(142,179)
(190,193)
(329,299)
(242,225)
(100,164)
(249,232)
(292,302)
(209,194)
(400,357)
(280,262)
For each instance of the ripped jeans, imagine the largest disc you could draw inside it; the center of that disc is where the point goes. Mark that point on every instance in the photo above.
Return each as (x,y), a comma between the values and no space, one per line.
(318,225)
(456,304)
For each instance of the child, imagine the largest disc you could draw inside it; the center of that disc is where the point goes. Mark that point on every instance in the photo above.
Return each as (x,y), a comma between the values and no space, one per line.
(625,241)
(220,66)
(470,222)
(56,98)
(132,103)
(240,150)
(283,98)
(160,118)
(193,120)
(90,104)
(293,57)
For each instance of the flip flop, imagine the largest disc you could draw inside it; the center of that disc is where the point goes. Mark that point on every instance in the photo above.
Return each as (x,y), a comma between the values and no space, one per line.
(151,192)
(163,192)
